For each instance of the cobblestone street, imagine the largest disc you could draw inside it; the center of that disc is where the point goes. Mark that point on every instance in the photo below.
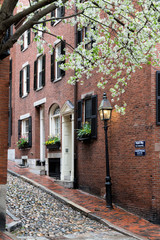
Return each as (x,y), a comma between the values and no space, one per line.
(44,217)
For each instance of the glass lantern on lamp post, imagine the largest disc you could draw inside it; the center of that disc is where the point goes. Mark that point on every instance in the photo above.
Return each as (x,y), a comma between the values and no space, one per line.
(105,111)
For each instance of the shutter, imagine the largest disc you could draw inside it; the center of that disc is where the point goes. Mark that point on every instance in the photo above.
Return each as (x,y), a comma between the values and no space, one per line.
(30,132)
(20,83)
(43,69)
(79,115)
(52,15)
(35,75)
(63,44)
(62,11)
(22,45)
(94,117)
(29,36)
(28,78)
(53,65)
(79,36)
(158,97)
(19,129)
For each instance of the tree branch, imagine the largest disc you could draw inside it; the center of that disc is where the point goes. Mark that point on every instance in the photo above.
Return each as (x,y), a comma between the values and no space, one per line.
(26,26)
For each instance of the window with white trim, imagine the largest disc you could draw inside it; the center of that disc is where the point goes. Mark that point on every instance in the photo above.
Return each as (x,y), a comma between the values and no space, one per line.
(55,120)
(58,54)
(39,72)
(39,77)
(25,128)
(56,72)
(24,82)
(25,38)
(57,13)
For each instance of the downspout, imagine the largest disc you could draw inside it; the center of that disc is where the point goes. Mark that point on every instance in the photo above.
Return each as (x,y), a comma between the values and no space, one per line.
(75,185)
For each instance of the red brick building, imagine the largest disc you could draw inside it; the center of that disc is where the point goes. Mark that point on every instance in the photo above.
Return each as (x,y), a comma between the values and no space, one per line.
(44,104)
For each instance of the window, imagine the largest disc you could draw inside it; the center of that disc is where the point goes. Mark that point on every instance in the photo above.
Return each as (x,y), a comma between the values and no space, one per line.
(25,38)
(87,112)
(55,120)
(56,72)
(24,82)
(79,36)
(58,13)
(39,72)
(25,129)
(90,41)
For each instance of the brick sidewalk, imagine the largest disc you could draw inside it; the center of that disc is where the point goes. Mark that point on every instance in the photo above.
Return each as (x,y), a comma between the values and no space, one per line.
(95,206)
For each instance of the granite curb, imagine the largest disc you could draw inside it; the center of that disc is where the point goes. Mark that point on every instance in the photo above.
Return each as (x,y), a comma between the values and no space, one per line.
(77,207)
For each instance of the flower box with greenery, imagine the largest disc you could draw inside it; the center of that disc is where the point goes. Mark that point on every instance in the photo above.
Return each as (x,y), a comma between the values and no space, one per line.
(23,143)
(53,142)
(84,134)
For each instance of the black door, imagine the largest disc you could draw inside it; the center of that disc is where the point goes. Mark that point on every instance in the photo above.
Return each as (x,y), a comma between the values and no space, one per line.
(54,167)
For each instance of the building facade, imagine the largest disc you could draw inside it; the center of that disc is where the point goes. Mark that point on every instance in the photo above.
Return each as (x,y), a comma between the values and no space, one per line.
(44,104)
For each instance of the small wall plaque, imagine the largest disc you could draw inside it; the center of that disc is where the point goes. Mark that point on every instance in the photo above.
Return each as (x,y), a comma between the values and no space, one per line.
(139,144)
(140,152)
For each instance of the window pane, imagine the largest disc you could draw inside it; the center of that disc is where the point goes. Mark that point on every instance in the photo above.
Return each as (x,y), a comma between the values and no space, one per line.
(88,109)
(58,12)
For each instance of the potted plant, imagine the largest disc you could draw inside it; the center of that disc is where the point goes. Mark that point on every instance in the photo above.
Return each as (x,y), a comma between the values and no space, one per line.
(53,142)
(84,133)
(22,143)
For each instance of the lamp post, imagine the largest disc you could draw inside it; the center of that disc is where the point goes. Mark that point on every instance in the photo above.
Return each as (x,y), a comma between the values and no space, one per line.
(105,111)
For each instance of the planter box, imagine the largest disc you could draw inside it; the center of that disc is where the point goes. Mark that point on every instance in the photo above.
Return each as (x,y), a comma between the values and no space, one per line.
(55,146)
(85,138)
(26,145)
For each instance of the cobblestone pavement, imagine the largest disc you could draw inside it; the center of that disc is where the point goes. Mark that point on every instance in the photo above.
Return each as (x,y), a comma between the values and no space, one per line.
(44,217)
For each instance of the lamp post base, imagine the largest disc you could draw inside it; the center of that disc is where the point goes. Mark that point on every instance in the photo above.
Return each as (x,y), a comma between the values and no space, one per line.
(108,192)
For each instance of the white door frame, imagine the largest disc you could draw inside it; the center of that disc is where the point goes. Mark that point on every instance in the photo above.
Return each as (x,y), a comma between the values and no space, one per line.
(42,134)
(67,113)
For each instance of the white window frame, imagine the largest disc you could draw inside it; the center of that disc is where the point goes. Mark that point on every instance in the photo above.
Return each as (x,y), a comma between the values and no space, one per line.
(39,70)
(53,130)
(25,128)
(25,40)
(57,54)
(56,16)
(24,82)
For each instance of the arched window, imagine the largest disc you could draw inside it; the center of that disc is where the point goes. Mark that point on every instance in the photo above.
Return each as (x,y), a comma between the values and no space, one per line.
(55,120)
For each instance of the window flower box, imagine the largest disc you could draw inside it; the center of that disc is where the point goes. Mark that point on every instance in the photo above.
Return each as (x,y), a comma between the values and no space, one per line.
(84,134)
(23,143)
(53,143)
(54,146)
(85,138)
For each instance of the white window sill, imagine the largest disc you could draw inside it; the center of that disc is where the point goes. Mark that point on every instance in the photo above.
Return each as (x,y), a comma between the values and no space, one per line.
(58,79)
(38,89)
(24,49)
(58,21)
(24,96)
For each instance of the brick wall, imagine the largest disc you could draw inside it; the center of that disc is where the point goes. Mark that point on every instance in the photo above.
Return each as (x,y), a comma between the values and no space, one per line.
(4,91)
(135,180)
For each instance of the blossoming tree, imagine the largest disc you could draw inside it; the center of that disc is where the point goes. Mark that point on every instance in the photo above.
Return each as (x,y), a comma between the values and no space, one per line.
(123,34)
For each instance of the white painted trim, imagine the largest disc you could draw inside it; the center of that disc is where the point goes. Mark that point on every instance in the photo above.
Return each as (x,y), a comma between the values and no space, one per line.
(27,115)
(39,102)
(25,64)
(57,41)
(87,94)
(39,55)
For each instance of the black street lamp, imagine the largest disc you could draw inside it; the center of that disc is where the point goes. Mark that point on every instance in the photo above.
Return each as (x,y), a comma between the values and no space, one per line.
(105,111)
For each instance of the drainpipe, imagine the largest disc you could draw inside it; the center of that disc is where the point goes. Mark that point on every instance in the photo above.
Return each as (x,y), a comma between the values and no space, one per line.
(75,185)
